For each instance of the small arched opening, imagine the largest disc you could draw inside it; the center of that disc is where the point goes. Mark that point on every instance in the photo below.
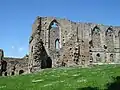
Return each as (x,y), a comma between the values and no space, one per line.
(57,46)
(98,57)
(111,57)
(21,72)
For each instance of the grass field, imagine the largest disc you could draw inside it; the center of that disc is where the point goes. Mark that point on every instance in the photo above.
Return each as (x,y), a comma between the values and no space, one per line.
(63,79)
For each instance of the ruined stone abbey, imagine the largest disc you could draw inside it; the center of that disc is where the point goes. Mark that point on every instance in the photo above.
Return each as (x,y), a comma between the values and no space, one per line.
(56,42)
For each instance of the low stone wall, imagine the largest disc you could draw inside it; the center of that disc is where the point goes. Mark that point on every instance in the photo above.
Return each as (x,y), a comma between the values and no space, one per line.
(15,65)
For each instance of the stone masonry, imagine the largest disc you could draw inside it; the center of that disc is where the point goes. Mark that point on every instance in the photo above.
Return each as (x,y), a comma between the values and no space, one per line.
(12,66)
(58,42)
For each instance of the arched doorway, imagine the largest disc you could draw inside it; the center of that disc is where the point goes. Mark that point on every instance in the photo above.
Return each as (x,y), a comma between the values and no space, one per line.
(46,64)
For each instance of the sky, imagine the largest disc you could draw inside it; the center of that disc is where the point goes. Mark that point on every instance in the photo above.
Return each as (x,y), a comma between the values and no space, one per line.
(17,17)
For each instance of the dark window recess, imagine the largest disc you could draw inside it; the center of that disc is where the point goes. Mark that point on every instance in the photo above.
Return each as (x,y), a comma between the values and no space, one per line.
(49,62)
(21,71)
(77,60)
(3,65)
(109,32)
(32,49)
(5,74)
(63,64)
(13,73)
(91,43)
(90,50)
(98,55)
(76,48)
(105,47)
(111,55)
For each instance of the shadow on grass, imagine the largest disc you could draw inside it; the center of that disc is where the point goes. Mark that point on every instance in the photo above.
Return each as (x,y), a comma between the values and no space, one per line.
(115,85)
(88,88)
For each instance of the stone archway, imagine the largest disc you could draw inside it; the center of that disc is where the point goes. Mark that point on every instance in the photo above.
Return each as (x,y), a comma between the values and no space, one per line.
(46,64)
(21,72)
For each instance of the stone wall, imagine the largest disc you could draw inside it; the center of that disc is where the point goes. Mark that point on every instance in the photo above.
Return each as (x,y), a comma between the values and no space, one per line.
(56,42)
(13,66)
(70,43)
(16,65)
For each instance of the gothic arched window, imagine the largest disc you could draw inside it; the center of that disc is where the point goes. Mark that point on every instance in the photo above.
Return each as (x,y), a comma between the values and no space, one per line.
(53,24)
(54,34)
(96,37)
(109,39)
(57,44)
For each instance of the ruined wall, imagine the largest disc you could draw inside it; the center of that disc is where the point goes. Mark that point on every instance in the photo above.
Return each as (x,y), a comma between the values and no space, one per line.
(15,65)
(12,66)
(70,43)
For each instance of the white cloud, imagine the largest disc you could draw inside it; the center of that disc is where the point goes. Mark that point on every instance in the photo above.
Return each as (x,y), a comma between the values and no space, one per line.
(20,49)
(13,47)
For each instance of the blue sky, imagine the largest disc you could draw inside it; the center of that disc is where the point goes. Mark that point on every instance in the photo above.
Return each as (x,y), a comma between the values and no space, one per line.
(17,16)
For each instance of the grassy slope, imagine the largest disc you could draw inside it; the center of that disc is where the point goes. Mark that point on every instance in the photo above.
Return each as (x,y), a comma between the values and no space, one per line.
(62,79)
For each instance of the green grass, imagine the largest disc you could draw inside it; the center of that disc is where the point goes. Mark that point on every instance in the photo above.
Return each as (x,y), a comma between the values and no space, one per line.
(62,78)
